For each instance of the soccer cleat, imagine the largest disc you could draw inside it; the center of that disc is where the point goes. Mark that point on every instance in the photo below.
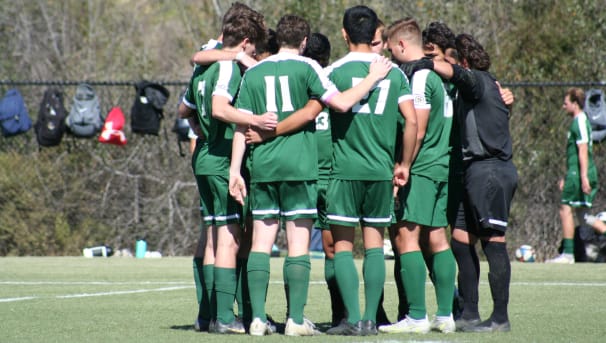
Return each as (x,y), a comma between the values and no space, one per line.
(489,326)
(306,329)
(462,324)
(235,327)
(369,328)
(259,328)
(407,325)
(346,329)
(562,259)
(201,324)
(443,324)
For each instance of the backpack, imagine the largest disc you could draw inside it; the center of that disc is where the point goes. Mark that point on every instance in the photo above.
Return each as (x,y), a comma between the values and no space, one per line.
(50,125)
(14,118)
(146,113)
(84,119)
(595,108)
(112,129)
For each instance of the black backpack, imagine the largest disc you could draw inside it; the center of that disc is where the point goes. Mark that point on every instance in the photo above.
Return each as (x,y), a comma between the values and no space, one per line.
(50,125)
(146,113)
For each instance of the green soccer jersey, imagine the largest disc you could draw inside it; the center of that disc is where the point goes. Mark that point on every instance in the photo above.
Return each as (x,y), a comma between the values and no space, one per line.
(284,83)
(364,138)
(220,79)
(579,133)
(324,141)
(430,93)
(188,97)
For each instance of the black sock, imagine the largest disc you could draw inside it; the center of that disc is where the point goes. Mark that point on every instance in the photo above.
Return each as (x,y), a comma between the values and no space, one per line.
(499,277)
(468,278)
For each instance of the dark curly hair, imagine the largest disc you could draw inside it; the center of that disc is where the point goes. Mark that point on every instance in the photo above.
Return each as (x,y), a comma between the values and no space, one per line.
(439,34)
(473,52)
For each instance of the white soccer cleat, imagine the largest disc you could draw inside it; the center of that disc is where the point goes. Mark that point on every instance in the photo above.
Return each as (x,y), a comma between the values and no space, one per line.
(259,328)
(306,329)
(443,324)
(562,259)
(407,325)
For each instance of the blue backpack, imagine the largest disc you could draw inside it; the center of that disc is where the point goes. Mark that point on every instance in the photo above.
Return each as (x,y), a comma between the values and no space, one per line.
(14,118)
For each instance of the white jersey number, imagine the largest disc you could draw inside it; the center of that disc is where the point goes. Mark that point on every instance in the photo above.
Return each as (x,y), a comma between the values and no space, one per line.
(363,106)
(201,88)
(322,121)
(270,95)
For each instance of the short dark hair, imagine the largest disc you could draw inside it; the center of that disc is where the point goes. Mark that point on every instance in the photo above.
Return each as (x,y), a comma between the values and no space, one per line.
(438,33)
(472,51)
(241,27)
(269,45)
(291,31)
(576,95)
(318,48)
(360,23)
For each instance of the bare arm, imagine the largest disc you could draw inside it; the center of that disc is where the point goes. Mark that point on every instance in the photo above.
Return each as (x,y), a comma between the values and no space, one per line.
(224,111)
(422,120)
(342,102)
(237,187)
(292,123)
(409,140)
(583,167)
(206,57)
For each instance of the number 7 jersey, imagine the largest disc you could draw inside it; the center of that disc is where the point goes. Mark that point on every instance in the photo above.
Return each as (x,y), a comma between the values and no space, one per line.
(364,138)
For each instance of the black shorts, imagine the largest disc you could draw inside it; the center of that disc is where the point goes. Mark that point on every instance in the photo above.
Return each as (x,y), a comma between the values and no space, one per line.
(489,189)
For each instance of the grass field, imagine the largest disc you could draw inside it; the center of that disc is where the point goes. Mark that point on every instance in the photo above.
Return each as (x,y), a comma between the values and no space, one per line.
(75,299)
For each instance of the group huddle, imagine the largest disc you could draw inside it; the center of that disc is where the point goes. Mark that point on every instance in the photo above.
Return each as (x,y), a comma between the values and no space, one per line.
(415,144)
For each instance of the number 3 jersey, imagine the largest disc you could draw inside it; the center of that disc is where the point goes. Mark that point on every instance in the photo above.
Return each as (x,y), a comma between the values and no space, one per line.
(364,138)
(284,83)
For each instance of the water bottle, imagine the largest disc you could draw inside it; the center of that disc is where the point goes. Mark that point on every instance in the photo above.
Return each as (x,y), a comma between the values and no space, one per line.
(140,248)
(100,251)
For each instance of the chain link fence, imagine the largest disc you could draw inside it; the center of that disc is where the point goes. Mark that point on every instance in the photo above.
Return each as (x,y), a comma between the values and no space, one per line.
(91,193)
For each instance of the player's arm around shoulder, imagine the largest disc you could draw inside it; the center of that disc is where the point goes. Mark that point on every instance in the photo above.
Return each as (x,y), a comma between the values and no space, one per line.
(342,102)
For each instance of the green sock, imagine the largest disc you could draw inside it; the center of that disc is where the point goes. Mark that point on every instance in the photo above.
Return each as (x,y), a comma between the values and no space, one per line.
(201,295)
(349,284)
(208,270)
(444,272)
(568,246)
(258,281)
(242,295)
(297,275)
(374,279)
(225,289)
(413,278)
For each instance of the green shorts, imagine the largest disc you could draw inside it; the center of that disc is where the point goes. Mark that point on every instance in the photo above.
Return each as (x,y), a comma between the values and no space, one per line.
(321,221)
(423,201)
(288,200)
(216,205)
(352,201)
(572,194)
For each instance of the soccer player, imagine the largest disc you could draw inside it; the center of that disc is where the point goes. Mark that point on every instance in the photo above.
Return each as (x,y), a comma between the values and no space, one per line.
(361,183)
(214,90)
(280,188)
(490,180)
(580,185)
(423,200)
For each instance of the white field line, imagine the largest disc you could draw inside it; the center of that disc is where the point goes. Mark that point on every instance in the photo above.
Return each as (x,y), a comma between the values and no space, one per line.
(185,285)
